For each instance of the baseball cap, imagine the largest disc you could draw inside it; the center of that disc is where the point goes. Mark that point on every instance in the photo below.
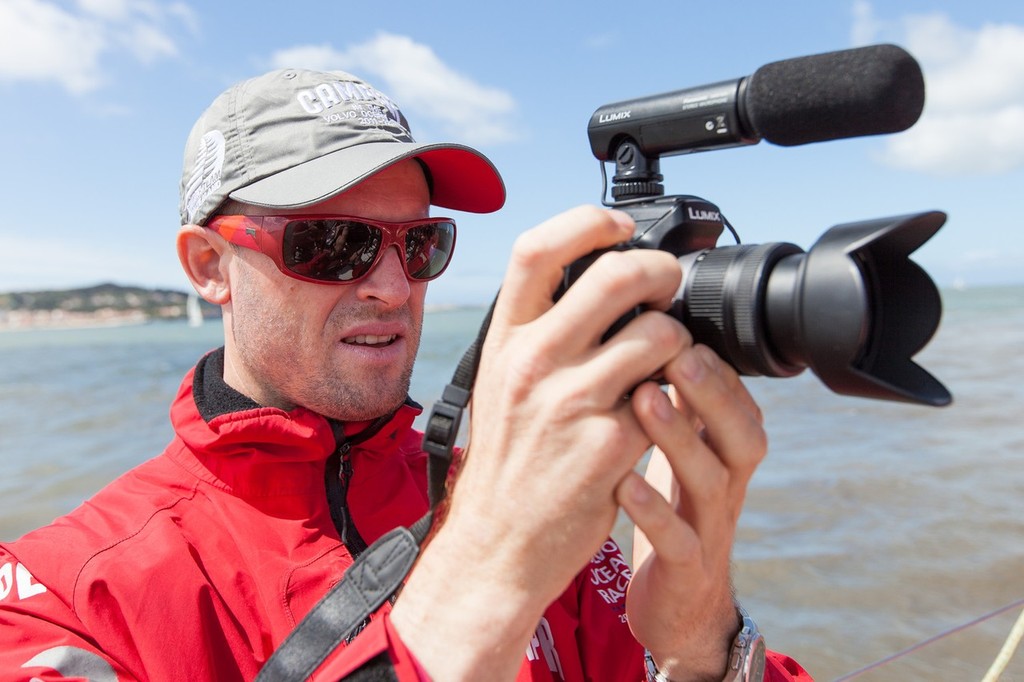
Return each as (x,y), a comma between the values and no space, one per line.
(293,137)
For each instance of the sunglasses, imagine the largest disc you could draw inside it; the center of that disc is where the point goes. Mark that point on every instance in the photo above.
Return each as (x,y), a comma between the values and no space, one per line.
(341,249)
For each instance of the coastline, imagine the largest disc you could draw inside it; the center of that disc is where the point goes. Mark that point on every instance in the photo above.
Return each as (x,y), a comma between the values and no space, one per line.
(35,320)
(100,305)
(32,319)
(28,320)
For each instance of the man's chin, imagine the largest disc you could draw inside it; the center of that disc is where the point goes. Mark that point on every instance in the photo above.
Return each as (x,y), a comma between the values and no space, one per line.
(365,405)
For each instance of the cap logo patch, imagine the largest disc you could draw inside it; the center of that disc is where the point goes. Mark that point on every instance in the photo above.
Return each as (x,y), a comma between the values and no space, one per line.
(206,173)
(367,105)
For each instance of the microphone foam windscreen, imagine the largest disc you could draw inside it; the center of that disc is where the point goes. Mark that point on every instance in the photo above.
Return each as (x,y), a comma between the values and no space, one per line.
(850,93)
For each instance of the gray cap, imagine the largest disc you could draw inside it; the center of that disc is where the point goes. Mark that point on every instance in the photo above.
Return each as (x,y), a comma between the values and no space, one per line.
(293,138)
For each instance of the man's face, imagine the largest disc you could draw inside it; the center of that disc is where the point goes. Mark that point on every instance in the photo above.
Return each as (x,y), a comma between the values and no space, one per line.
(345,351)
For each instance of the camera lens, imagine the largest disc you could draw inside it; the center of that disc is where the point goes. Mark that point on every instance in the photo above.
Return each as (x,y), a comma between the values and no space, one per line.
(853,308)
(724,305)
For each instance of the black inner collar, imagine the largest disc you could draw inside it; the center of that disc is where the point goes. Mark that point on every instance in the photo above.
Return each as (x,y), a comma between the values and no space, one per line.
(212,395)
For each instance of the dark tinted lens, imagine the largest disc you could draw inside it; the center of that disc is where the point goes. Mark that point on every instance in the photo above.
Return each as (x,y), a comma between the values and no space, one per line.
(428,248)
(330,250)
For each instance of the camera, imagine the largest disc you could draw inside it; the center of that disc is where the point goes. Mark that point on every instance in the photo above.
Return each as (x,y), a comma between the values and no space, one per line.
(853,308)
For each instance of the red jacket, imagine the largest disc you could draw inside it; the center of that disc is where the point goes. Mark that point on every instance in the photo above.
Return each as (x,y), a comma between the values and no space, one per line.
(197,564)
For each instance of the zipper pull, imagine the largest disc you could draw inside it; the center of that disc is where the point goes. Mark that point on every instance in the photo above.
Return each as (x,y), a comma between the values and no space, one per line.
(345,474)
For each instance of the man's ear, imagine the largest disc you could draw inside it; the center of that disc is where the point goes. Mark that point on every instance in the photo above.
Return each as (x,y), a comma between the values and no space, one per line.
(204,256)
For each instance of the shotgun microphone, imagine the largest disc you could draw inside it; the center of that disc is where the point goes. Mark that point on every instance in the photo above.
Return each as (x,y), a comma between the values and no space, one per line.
(849,93)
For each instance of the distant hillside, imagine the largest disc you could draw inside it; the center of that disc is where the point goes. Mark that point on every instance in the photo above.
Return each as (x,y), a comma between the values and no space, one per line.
(100,304)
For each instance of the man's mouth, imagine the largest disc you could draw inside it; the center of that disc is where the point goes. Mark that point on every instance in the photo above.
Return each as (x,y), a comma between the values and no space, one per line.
(370,340)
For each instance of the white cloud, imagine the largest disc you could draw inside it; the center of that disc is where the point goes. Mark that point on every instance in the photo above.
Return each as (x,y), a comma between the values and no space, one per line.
(319,57)
(602,41)
(865,26)
(973,121)
(419,81)
(980,71)
(148,42)
(961,143)
(42,41)
(185,15)
(106,9)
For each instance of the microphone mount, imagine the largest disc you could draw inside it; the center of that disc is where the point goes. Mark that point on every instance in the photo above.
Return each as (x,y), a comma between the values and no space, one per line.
(636,174)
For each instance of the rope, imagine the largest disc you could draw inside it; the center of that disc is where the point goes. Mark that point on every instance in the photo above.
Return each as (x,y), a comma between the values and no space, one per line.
(1006,653)
(935,638)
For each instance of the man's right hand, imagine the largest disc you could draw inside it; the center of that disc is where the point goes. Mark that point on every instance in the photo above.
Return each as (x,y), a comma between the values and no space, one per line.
(552,435)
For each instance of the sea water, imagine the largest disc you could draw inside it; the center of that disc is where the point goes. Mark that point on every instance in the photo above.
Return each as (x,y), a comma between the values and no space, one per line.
(870,527)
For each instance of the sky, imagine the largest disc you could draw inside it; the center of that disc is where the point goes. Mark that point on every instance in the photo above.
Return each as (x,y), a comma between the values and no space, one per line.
(98,97)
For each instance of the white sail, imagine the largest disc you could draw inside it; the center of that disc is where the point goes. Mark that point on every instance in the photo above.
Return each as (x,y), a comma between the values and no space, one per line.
(195,313)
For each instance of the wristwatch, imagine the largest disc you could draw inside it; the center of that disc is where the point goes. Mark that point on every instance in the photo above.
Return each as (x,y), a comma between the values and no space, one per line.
(746,656)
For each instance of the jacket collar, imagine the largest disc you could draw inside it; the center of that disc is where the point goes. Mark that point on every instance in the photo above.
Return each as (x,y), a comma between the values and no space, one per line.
(237,444)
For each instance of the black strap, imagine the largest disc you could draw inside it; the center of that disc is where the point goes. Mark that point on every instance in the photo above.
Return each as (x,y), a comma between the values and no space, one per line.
(366,585)
(444,423)
(378,572)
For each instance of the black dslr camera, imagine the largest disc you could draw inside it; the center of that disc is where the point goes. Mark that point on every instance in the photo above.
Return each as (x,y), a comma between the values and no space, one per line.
(853,308)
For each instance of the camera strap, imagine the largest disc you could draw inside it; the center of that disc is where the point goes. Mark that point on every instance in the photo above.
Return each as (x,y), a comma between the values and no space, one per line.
(378,573)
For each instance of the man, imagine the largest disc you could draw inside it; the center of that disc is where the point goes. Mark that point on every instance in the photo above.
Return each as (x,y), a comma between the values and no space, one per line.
(305,208)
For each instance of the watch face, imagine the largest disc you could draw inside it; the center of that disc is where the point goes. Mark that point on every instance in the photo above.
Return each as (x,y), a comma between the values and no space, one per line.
(755,671)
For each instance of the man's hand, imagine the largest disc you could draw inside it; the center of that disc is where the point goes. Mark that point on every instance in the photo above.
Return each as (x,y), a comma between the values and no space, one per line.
(710,440)
(552,436)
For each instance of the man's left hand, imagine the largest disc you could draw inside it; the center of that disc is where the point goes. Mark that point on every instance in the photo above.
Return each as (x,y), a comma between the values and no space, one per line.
(709,440)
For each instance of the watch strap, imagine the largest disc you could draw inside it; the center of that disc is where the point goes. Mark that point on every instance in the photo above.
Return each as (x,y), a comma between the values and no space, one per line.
(653,674)
(746,655)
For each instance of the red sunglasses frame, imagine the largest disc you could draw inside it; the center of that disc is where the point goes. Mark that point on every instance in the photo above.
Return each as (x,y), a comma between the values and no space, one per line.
(266,235)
